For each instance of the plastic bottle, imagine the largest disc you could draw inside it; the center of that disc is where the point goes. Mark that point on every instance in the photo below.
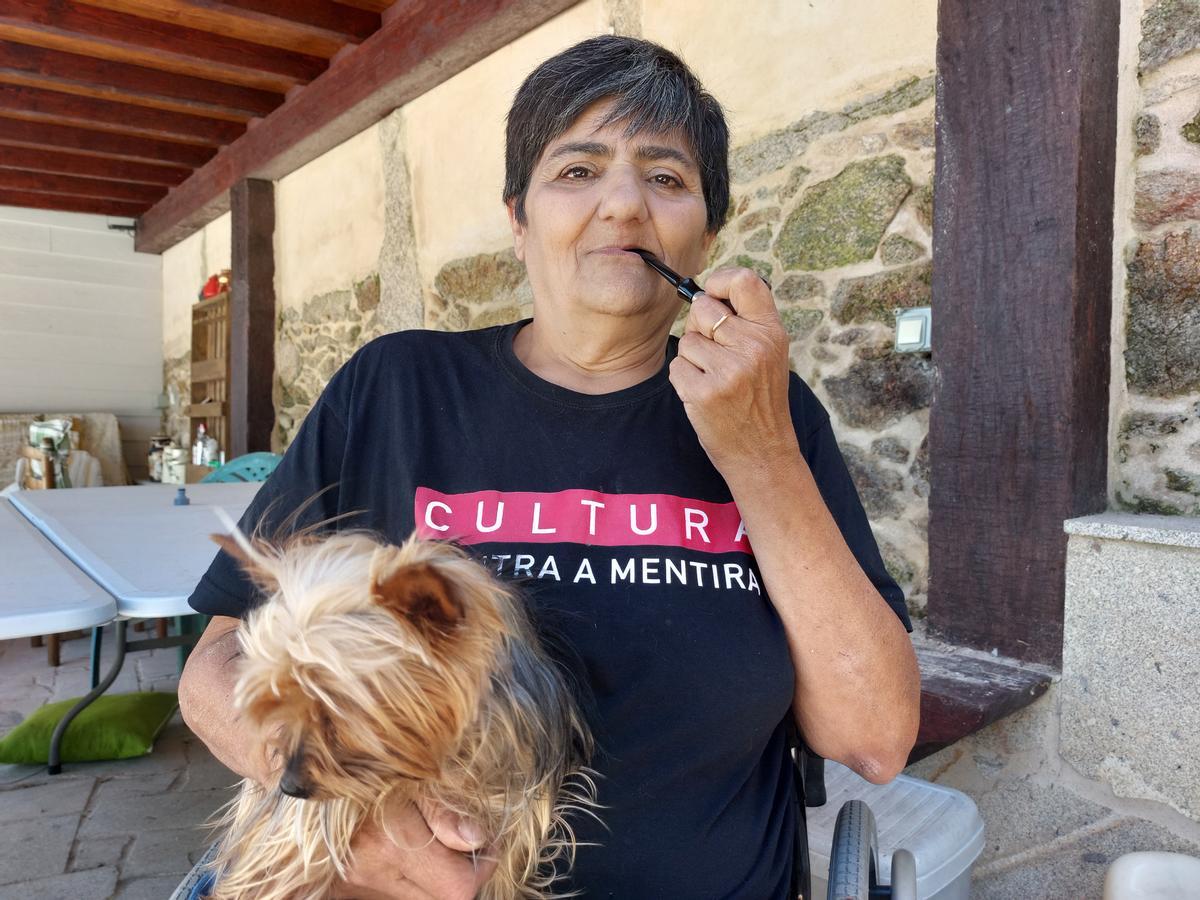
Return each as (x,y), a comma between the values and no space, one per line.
(198,445)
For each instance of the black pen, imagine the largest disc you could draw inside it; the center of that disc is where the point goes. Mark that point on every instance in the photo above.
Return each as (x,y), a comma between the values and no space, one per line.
(686,287)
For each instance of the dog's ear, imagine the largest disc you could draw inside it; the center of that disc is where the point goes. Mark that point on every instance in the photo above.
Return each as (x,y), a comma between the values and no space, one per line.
(416,592)
(251,563)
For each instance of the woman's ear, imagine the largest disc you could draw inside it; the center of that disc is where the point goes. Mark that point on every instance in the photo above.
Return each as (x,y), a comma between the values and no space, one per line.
(518,229)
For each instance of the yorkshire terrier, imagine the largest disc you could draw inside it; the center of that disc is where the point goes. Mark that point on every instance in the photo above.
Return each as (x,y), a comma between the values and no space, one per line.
(374,669)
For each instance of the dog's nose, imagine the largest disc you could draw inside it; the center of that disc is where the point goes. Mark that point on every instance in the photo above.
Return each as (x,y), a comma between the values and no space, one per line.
(293,786)
(291,782)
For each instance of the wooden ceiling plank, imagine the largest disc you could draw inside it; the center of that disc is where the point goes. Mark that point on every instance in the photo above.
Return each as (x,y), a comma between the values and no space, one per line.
(417,49)
(129,54)
(377,6)
(65,203)
(68,109)
(99,143)
(219,18)
(113,95)
(43,160)
(68,19)
(136,83)
(335,19)
(47,183)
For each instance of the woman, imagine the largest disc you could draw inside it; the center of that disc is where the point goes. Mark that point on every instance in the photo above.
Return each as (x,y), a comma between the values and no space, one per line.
(621,475)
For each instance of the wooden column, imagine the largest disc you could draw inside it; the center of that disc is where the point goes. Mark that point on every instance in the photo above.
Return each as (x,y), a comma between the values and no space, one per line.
(252,339)
(1022,250)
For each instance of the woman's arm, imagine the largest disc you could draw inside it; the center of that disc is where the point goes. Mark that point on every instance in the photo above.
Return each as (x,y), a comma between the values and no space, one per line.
(857,695)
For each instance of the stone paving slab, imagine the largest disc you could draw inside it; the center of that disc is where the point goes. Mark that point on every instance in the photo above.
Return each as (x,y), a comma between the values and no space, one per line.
(37,848)
(1076,866)
(149,888)
(128,829)
(89,885)
(63,798)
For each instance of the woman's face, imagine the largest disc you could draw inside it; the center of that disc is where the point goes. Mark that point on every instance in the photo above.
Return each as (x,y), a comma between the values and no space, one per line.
(595,193)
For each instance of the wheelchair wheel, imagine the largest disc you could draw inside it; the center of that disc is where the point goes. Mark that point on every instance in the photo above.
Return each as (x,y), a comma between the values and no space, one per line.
(853,858)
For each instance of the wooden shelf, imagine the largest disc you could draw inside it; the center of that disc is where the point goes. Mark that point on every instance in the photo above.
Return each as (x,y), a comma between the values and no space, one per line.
(209,390)
(964,690)
(206,410)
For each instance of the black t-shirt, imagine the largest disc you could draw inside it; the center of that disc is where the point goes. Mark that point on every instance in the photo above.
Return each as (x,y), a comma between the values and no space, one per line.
(638,572)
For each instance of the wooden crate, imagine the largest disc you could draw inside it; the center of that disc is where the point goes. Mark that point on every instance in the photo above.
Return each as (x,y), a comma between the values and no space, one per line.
(209,401)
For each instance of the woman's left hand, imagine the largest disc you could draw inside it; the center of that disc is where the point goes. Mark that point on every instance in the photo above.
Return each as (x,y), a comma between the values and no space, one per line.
(734,381)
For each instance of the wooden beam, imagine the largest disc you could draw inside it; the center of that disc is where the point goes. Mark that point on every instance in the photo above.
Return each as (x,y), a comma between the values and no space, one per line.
(252,318)
(99,143)
(100,188)
(1022,270)
(63,203)
(35,104)
(216,17)
(420,46)
(102,78)
(71,26)
(41,160)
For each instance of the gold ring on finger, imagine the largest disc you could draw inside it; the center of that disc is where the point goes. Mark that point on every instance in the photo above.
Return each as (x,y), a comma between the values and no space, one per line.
(721,321)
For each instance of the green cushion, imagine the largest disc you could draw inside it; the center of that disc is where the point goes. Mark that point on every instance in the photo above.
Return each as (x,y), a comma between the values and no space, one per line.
(115,726)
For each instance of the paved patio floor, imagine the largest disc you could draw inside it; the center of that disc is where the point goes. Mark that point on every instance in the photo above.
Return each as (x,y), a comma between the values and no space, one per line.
(129,829)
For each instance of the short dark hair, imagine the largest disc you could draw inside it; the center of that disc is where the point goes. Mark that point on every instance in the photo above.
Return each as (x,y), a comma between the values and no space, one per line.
(654,91)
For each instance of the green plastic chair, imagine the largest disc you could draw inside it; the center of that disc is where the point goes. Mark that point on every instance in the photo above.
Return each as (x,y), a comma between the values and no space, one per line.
(251,467)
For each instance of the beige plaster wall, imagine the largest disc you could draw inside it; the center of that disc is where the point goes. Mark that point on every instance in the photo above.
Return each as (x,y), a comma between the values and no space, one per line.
(455,142)
(185,268)
(768,61)
(329,221)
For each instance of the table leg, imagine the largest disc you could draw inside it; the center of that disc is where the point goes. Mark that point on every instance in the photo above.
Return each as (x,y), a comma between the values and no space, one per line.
(97,641)
(55,764)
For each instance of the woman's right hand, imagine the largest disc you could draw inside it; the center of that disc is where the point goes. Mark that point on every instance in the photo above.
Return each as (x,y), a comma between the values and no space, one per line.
(430,859)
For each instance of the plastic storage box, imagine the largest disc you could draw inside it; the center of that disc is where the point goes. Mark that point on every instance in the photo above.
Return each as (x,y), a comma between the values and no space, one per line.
(940,827)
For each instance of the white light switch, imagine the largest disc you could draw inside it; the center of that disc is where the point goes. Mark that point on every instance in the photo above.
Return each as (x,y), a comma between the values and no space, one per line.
(910,331)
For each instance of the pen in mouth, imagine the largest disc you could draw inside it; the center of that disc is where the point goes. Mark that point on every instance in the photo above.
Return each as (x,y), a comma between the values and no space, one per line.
(685,287)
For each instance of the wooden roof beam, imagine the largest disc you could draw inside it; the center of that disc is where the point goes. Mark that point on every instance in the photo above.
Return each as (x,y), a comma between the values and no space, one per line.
(61,203)
(100,143)
(43,160)
(35,104)
(91,77)
(71,26)
(422,43)
(42,182)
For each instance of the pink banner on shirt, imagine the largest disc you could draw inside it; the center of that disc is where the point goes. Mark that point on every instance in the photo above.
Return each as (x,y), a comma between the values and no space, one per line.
(580,517)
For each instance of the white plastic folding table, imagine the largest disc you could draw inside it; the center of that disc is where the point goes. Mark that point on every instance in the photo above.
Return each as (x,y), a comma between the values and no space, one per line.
(137,547)
(43,592)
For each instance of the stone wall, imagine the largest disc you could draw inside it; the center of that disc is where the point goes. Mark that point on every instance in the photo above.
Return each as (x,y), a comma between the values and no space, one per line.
(1156,377)
(312,344)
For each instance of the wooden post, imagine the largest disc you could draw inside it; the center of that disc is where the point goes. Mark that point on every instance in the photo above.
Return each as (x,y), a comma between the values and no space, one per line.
(252,338)
(1022,271)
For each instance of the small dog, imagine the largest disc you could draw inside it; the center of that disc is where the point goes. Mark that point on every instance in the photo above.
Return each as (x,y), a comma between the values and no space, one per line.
(378,669)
